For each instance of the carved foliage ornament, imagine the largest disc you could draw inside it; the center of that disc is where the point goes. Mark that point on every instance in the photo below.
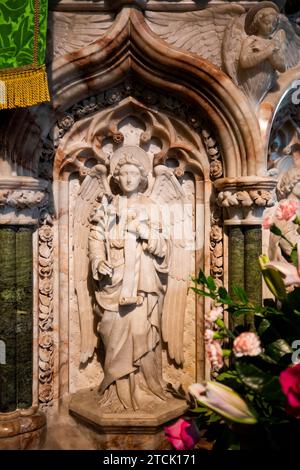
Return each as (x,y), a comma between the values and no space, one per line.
(21,199)
(22,206)
(245,201)
(46,343)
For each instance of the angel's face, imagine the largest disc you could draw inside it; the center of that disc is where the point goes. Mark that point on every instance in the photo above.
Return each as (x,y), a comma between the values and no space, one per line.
(129,178)
(267,22)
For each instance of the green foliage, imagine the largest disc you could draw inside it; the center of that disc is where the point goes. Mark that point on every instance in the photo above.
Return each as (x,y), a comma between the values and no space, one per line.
(255,379)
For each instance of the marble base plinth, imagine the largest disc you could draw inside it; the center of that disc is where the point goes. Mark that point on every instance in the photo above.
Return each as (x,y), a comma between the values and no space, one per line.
(142,429)
(22,430)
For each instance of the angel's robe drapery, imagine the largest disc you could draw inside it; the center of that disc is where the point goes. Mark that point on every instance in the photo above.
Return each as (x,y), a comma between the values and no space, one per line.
(129,332)
(23,79)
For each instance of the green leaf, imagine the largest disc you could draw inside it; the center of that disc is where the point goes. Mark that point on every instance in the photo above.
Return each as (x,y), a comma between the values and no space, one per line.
(278,349)
(263,326)
(202,292)
(229,374)
(294,256)
(236,312)
(267,358)
(272,390)
(222,292)
(240,294)
(296,220)
(201,278)
(276,230)
(220,323)
(199,409)
(252,376)
(214,418)
(226,352)
(211,284)
(220,335)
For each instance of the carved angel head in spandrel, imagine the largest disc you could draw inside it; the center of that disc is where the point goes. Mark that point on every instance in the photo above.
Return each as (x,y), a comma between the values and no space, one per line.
(262,19)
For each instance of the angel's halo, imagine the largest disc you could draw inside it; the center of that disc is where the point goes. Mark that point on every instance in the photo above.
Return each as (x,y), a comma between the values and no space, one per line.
(130,151)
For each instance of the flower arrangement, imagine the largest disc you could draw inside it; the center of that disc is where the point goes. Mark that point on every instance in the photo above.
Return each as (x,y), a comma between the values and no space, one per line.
(255,397)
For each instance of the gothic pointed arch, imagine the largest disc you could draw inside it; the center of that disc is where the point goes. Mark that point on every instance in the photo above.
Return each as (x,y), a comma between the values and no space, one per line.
(129,48)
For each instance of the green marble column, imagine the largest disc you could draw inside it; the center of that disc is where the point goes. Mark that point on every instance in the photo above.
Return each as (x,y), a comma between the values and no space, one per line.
(8,305)
(236,256)
(245,246)
(16,317)
(253,279)
(24,316)
(236,263)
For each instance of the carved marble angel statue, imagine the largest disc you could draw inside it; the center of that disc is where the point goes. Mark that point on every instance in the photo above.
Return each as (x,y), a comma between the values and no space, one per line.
(250,46)
(140,275)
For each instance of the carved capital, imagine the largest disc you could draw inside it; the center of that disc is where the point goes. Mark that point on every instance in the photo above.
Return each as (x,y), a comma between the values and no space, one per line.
(244,199)
(22,199)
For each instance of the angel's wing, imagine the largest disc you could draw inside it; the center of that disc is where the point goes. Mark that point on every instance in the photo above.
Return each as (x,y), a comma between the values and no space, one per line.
(292,42)
(231,46)
(167,192)
(94,185)
(200,31)
(72,31)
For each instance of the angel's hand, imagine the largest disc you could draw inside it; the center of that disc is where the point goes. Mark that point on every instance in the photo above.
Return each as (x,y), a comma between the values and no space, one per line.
(105,268)
(132,226)
(143,231)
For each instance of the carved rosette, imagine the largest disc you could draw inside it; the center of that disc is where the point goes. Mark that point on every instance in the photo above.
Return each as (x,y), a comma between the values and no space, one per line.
(214,154)
(216,234)
(46,343)
(216,246)
(244,200)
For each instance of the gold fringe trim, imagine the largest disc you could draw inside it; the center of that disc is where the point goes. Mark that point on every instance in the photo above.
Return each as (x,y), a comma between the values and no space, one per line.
(22,89)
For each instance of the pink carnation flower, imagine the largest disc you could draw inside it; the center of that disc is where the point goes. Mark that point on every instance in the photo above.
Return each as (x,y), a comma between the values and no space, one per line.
(267,222)
(183,435)
(208,335)
(287,209)
(215,355)
(247,344)
(214,314)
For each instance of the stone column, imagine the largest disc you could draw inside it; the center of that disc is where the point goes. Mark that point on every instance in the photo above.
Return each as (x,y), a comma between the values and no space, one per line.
(243,201)
(22,426)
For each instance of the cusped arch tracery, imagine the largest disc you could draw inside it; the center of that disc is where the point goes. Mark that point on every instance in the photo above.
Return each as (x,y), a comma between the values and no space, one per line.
(161,128)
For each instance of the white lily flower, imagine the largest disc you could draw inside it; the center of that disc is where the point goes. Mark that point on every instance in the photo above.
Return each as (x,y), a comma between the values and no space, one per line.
(290,272)
(224,401)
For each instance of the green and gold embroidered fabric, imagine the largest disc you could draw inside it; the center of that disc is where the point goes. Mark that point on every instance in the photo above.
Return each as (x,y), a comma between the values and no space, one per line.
(23,26)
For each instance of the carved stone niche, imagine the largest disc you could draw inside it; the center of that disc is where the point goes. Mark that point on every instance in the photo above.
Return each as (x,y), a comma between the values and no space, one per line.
(164,137)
